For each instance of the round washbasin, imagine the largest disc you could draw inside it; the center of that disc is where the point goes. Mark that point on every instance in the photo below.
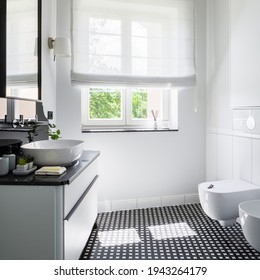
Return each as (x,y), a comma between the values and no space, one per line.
(54,152)
(10,145)
(249,213)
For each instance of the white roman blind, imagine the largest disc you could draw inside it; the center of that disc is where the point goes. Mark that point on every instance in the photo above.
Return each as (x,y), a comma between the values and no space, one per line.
(133,42)
(22,42)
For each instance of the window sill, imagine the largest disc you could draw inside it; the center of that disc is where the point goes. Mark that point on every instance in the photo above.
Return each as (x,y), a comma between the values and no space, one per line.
(125,129)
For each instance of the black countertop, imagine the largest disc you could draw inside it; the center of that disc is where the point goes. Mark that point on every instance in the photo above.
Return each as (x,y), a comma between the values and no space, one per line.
(66,178)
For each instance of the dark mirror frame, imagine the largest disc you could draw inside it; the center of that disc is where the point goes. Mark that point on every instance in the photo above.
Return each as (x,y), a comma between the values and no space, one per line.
(3,25)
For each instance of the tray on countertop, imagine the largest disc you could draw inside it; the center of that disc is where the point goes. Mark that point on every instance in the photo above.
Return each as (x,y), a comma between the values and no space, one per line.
(25,172)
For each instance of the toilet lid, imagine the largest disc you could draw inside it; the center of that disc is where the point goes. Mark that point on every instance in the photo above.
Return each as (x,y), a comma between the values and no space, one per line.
(228,186)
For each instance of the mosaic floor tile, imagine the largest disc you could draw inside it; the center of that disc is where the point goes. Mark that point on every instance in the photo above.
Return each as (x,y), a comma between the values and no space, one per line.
(182,232)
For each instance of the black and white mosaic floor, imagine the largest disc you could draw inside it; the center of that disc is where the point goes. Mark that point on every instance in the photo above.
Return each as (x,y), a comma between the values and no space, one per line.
(173,232)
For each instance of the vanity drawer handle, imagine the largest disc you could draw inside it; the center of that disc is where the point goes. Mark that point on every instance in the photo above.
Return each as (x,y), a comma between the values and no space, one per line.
(74,208)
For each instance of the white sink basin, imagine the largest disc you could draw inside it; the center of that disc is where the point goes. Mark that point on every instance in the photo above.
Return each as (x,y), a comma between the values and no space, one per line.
(54,152)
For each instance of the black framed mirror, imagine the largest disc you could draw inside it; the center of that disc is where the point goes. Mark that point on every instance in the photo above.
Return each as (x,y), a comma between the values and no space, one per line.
(20,53)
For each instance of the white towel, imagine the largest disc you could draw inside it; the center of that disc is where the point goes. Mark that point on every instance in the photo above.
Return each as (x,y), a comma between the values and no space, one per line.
(50,170)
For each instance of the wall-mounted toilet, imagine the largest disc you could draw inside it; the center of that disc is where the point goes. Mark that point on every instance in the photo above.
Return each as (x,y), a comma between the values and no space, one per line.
(220,199)
(249,213)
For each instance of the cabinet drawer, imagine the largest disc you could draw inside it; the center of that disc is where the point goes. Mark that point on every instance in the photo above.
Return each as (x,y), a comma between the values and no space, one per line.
(77,228)
(74,191)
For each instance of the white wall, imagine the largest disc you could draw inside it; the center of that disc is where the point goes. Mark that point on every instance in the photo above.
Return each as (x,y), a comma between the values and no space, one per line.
(233,151)
(140,165)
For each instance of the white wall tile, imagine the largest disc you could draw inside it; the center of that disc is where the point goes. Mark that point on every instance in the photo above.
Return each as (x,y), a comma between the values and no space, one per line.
(256,115)
(242,158)
(256,161)
(211,157)
(149,202)
(124,204)
(172,200)
(239,120)
(104,206)
(191,198)
(224,157)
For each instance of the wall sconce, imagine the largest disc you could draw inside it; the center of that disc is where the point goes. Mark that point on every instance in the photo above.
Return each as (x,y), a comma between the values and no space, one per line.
(60,46)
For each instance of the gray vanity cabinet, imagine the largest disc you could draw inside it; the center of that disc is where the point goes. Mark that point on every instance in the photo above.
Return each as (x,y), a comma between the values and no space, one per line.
(48,221)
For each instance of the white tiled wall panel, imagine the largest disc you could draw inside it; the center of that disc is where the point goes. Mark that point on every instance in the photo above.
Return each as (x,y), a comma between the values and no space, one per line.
(239,120)
(211,158)
(224,157)
(242,163)
(236,152)
(256,115)
(256,162)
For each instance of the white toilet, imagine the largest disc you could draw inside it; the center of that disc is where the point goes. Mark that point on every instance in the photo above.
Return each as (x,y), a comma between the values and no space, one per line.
(220,199)
(249,213)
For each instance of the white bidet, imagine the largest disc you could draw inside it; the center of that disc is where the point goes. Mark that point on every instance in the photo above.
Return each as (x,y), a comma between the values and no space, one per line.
(249,213)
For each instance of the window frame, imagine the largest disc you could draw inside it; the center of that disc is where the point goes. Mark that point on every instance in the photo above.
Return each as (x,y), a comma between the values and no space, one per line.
(169,104)
(100,122)
(149,121)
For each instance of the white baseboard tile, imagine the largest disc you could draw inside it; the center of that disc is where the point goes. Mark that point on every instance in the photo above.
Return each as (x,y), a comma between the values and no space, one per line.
(149,202)
(124,204)
(172,200)
(104,206)
(191,198)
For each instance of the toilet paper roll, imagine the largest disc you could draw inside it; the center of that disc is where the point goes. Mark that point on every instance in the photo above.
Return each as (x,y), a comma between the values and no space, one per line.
(4,166)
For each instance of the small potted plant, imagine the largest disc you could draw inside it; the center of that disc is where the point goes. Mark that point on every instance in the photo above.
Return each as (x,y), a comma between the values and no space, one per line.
(29,160)
(22,164)
(54,134)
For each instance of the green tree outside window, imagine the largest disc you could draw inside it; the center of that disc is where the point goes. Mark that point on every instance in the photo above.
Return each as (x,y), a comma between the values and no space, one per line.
(106,104)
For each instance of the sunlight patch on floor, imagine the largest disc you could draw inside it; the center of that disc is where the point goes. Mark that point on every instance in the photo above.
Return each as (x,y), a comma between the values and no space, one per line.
(176,230)
(118,237)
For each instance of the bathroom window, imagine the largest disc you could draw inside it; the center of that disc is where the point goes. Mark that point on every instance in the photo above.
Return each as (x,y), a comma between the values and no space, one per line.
(127,107)
(103,106)
(142,101)
(131,56)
